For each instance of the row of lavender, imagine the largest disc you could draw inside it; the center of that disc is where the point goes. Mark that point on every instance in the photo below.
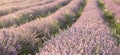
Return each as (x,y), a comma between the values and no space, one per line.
(7,9)
(88,36)
(113,8)
(9,2)
(29,14)
(4,2)
(16,2)
(16,39)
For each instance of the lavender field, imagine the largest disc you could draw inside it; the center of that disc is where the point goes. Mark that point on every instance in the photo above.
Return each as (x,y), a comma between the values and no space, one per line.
(59,27)
(117,1)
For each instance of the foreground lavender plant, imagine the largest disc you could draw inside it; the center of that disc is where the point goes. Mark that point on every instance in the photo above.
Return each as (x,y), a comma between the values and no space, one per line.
(25,36)
(18,40)
(88,36)
(113,8)
(7,50)
(29,14)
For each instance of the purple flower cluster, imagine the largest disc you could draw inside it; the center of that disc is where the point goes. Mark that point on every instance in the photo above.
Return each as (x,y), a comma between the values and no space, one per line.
(88,36)
(17,40)
(7,50)
(113,8)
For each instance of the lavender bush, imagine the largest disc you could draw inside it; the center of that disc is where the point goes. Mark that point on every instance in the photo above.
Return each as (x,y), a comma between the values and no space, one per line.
(7,50)
(19,40)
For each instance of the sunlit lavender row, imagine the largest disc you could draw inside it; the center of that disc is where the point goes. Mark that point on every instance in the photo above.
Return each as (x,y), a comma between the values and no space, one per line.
(10,2)
(113,8)
(4,2)
(25,15)
(17,2)
(24,36)
(88,36)
(4,10)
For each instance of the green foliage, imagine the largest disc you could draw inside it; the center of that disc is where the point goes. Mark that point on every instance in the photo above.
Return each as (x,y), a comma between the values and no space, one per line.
(27,47)
(95,51)
(1,25)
